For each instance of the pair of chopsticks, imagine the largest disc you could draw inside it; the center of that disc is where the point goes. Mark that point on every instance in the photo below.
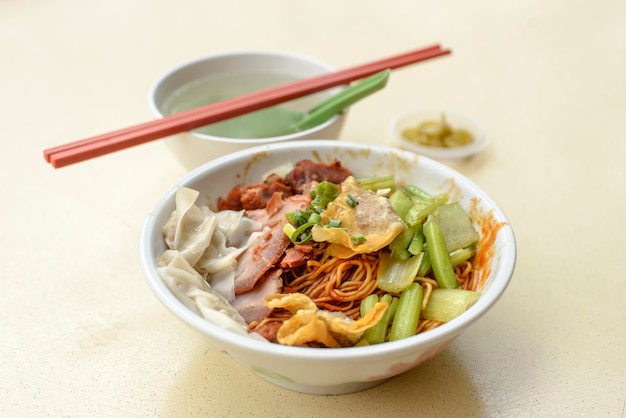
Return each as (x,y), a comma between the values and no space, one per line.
(96,146)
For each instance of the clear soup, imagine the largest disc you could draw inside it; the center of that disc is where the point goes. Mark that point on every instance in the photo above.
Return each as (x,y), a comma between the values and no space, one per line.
(273,121)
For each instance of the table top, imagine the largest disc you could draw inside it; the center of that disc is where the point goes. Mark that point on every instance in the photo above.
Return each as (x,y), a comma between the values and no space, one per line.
(82,334)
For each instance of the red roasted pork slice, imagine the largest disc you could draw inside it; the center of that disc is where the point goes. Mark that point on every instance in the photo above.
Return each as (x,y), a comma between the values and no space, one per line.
(269,330)
(267,249)
(277,208)
(250,304)
(296,255)
(262,255)
(254,196)
(307,171)
(232,201)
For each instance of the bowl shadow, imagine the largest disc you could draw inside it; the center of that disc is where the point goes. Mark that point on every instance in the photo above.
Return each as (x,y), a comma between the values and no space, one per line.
(441,387)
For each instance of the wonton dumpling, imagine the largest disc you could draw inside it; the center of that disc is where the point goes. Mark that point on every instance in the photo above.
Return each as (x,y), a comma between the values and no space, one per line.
(311,325)
(373,217)
(209,241)
(189,230)
(191,289)
(229,240)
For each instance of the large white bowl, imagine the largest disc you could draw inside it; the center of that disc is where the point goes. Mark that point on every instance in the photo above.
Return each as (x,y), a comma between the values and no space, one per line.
(341,370)
(192,148)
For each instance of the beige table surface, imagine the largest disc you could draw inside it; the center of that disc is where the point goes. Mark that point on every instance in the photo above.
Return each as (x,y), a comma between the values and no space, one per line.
(82,335)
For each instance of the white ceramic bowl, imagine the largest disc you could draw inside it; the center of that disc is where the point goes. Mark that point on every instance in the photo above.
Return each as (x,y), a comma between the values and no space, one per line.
(456,119)
(192,148)
(341,370)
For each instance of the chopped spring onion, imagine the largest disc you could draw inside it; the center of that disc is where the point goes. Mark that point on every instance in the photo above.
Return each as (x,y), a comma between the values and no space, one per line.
(289,229)
(446,304)
(351,201)
(298,235)
(298,217)
(299,232)
(407,315)
(315,218)
(323,194)
(358,238)
(333,223)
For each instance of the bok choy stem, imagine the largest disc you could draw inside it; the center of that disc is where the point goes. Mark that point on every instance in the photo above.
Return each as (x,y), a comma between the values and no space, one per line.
(407,315)
(446,304)
(394,275)
(378,333)
(438,254)
(460,255)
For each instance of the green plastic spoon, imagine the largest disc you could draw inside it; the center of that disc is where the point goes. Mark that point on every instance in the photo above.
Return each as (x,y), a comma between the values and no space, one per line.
(347,97)
(278,120)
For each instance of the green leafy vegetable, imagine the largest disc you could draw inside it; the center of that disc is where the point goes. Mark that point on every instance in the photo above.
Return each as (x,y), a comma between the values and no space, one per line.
(377,183)
(400,245)
(378,333)
(456,226)
(438,254)
(367,304)
(422,208)
(460,255)
(394,275)
(416,192)
(425,265)
(446,304)
(407,316)
(401,203)
(416,245)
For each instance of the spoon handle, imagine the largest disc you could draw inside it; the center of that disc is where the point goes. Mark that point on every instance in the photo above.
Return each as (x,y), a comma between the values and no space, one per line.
(348,96)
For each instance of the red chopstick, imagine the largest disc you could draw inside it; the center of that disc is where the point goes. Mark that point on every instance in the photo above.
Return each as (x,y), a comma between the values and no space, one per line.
(96,146)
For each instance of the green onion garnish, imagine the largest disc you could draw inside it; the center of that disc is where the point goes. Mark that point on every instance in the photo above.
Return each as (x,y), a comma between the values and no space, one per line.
(358,238)
(351,201)
(333,223)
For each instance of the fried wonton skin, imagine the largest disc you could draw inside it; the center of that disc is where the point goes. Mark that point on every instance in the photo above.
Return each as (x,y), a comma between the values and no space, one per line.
(309,325)
(361,212)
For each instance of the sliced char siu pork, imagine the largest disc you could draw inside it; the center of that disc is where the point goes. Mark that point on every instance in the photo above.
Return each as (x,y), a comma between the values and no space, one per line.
(306,172)
(250,304)
(266,251)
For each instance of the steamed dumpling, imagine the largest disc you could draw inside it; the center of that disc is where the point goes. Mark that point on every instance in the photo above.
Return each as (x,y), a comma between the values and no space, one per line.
(209,241)
(189,230)
(191,289)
